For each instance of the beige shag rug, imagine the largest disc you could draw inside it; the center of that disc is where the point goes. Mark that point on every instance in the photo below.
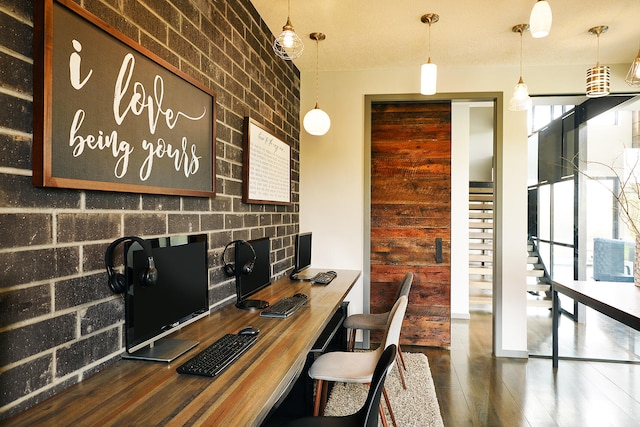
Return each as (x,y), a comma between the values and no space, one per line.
(415,406)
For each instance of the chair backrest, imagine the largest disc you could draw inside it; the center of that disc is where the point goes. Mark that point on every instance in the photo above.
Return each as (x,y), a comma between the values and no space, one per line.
(405,286)
(394,323)
(369,411)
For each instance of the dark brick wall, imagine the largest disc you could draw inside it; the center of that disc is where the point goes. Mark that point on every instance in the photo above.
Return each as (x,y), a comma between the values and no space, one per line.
(59,322)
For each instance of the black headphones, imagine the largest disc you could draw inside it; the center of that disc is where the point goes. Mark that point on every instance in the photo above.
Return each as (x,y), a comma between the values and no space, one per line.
(247,268)
(117,281)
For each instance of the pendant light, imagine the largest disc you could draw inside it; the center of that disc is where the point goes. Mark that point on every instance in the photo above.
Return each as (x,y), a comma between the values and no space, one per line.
(429,71)
(288,45)
(540,19)
(633,76)
(598,77)
(317,122)
(520,101)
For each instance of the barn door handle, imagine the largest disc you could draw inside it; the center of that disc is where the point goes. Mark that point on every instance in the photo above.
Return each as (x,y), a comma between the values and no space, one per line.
(438,250)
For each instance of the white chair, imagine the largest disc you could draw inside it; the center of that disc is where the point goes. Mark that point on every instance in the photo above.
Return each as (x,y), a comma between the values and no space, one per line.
(356,367)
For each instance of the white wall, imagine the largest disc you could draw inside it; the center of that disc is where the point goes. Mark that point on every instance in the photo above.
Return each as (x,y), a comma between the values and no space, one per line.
(332,171)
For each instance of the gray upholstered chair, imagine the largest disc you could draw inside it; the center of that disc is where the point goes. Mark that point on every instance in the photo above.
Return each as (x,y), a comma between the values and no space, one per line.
(378,322)
(356,367)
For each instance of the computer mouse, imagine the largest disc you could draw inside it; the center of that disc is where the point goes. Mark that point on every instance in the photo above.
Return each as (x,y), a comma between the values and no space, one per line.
(249,330)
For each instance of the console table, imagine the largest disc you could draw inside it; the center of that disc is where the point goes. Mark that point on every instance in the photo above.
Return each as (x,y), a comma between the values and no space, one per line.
(618,300)
(152,393)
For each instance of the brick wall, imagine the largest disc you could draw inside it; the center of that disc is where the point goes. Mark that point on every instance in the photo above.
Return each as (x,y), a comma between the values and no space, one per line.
(59,323)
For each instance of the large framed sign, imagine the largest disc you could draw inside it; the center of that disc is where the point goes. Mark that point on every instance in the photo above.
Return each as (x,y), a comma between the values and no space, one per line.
(266,166)
(111,115)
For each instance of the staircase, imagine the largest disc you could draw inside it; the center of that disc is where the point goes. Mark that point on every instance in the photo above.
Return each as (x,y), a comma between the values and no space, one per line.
(480,243)
(481,254)
(538,279)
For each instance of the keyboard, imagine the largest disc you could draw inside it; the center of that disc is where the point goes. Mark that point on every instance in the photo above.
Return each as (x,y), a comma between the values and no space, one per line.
(324,278)
(213,360)
(285,307)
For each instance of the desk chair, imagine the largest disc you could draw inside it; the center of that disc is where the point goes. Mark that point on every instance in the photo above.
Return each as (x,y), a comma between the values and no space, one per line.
(367,416)
(356,367)
(378,322)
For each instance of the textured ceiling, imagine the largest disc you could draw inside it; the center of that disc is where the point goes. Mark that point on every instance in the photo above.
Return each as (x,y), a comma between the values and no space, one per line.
(364,34)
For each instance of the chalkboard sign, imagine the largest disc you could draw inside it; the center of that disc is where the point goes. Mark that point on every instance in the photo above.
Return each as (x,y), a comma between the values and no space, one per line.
(111,115)
(266,166)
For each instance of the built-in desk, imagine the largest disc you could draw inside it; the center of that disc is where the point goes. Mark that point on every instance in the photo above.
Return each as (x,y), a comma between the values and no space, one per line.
(150,393)
(618,300)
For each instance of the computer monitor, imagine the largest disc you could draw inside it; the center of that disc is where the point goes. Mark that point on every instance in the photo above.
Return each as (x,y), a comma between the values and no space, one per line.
(180,296)
(302,252)
(260,276)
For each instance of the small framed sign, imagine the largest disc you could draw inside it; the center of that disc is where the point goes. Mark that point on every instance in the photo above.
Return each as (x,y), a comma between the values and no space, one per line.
(266,166)
(111,115)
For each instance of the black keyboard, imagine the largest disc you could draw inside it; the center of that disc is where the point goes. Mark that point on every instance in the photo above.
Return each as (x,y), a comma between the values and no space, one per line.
(285,307)
(213,360)
(324,278)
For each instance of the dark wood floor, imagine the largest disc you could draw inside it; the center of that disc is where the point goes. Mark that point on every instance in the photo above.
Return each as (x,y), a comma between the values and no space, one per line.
(476,389)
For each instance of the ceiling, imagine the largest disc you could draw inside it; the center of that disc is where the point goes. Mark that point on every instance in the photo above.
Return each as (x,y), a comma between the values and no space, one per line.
(374,34)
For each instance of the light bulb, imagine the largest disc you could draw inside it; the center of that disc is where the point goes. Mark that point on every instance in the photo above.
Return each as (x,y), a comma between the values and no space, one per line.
(316,122)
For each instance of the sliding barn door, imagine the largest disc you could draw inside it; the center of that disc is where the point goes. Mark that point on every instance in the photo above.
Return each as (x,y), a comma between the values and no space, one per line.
(411,215)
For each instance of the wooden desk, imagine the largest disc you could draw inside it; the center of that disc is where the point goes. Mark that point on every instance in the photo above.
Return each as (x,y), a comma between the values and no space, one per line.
(618,300)
(149,393)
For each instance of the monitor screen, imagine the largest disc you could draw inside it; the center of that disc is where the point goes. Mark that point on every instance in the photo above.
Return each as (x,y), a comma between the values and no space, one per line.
(180,295)
(303,251)
(260,276)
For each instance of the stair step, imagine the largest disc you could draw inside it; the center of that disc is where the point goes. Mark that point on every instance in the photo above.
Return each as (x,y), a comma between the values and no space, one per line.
(481,246)
(477,190)
(481,197)
(480,225)
(481,206)
(539,303)
(535,273)
(480,215)
(485,271)
(480,235)
(532,260)
(480,258)
(538,287)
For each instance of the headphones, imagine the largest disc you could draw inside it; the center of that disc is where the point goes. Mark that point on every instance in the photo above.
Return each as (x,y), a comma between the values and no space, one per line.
(117,281)
(247,268)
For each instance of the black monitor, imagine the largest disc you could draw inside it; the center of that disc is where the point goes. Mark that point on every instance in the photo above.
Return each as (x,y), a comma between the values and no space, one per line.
(302,253)
(180,296)
(260,276)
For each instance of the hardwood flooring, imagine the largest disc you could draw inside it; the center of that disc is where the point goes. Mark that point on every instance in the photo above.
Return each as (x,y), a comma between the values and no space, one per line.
(476,389)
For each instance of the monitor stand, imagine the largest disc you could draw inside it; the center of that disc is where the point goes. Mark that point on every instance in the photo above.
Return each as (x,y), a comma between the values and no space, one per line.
(163,350)
(252,304)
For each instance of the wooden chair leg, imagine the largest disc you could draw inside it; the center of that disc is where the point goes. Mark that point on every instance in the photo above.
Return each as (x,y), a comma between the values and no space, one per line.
(316,405)
(382,417)
(400,371)
(352,340)
(386,399)
(401,358)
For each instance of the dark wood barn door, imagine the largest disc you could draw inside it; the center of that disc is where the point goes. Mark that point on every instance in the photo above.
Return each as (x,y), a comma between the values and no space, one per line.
(411,215)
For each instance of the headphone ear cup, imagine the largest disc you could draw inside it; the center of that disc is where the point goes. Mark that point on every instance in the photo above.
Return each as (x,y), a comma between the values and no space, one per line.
(149,277)
(229,269)
(118,283)
(247,268)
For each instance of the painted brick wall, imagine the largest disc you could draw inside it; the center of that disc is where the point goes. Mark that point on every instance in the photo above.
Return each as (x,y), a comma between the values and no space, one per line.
(59,323)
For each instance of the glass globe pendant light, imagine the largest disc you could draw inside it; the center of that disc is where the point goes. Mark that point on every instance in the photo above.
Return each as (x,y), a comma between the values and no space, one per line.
(316,121)
(540,19)
(288,45)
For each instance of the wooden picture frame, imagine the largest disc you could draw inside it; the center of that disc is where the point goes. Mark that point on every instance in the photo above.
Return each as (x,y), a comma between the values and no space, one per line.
(111,115)
(266,166)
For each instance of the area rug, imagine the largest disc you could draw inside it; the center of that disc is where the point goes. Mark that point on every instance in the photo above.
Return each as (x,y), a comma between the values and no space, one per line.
(415,406)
